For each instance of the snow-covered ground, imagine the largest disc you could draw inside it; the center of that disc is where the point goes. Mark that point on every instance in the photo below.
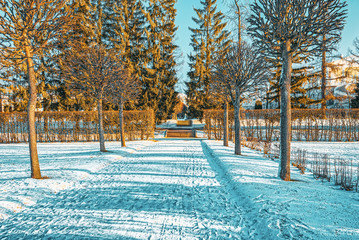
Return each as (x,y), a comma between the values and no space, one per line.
(166,189)
(345,150)
(303,209)
(66,164)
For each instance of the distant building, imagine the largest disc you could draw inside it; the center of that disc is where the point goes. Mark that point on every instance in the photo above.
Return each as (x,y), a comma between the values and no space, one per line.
(342,77)
(4,101)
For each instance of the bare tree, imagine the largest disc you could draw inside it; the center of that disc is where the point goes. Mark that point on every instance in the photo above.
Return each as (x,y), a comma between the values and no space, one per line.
(92,70)
(281,28)
(238,73)
(238,17)
(330,36)
(27,27)
(124,87)
(355,52)
(238,10)
(218,88)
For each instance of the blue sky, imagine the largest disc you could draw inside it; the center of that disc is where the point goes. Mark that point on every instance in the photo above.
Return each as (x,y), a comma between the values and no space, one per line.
(184,20)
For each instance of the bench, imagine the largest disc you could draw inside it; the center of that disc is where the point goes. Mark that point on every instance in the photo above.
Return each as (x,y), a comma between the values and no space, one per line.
(181,133)
(184,122)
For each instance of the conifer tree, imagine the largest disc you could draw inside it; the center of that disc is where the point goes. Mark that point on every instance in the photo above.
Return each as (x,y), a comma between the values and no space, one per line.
(128,38)
(102,18)
(94,19)
(168,99)
(158,76)
(208,40)
(355,102)
(81,32)
(300,79)
(128,27)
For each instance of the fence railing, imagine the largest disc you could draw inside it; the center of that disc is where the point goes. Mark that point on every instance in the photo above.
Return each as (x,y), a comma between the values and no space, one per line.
(76,126)
(307,124)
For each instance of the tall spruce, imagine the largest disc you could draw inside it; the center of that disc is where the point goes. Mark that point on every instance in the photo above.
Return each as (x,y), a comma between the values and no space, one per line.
(301,83)
(208,40)
(168,99)
(355,102)
(81,32)
(128,38)
(94,19)
(158,76)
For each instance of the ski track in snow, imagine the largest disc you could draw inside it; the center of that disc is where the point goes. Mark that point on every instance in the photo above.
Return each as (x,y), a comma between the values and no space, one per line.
(168,190)
(304,209)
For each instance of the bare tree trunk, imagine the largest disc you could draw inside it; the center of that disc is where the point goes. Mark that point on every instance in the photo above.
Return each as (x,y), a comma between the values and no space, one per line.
(239,27)
(324,75)
(237,104)
(122,130)
(34,158)
(237,126)
(285,113)
(101,131)
(225,137)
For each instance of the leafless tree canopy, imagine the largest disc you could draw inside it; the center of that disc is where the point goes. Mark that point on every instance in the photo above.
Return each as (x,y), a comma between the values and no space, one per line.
(332,25)
(355,52)
(244,70)
(27,27)
(36,23)
(300,21)
(123,88)
(91,70)
(281,29)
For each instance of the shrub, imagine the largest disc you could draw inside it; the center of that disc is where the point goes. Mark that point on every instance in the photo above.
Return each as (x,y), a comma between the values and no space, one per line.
(76,126)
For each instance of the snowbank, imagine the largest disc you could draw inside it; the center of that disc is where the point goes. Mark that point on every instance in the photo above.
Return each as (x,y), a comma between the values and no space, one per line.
(302,209)
(65,164)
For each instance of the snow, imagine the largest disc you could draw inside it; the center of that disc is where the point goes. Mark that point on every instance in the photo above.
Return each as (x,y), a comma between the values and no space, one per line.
(166,189)
(66,165)
(345,150)
(303,209)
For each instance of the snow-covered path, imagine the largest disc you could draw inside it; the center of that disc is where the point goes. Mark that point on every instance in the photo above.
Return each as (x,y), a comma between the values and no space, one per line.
(168,190)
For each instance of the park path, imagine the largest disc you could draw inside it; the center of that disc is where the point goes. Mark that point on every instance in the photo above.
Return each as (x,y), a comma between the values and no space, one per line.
(168,190)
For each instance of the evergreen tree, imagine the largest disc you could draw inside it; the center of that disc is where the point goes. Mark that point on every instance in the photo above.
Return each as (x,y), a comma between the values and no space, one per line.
(158,76)
(102,19)
(19,98)
(355,101)
(208,41)
(301,77)
(81,32)
(94,19)
(128,38)
(168,99)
